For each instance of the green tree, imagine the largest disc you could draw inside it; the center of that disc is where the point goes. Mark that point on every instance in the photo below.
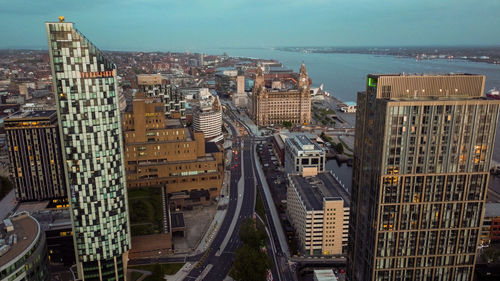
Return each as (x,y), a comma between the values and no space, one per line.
(251,235)
(339,148)
(250,264)
(287,124)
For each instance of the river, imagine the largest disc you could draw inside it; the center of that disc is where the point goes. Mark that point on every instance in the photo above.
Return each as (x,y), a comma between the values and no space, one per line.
(343,75)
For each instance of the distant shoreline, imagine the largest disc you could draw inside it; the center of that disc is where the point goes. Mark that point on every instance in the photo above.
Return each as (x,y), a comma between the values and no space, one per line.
(490,55)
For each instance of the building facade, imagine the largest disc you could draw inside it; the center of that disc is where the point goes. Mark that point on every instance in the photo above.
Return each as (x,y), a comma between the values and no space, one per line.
(490,231)
(153,85)
(272,107)
(423,149)
(89,121)
(162,152)
(302,156)
(23,250)
(36,165)
(318,209)
(207,118)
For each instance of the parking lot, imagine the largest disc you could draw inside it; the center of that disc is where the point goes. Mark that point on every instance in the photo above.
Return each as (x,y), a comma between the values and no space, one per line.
(273,170)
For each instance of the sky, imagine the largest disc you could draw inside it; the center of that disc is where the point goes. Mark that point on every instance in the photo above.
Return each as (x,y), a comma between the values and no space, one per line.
(162,25)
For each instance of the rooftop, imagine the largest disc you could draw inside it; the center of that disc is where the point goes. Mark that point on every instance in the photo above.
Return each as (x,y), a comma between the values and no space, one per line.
(302,143)
(313,190)
(172,123)
(26,229)
(211,147)
(324,275)
(27,115)
(492,210)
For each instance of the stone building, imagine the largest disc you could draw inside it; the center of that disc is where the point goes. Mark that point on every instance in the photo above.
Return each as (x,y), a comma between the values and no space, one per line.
(273,106)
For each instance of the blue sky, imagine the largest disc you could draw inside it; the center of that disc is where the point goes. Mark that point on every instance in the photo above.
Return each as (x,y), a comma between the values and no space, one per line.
(197,24)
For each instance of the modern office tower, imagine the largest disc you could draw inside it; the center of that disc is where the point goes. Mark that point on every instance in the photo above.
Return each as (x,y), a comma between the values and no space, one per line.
(23,249)
(318,209)
(36,165)
(153,85)
(272,107)
(207,118)
(161,152)
(421,168)
(89,121)
(302,156)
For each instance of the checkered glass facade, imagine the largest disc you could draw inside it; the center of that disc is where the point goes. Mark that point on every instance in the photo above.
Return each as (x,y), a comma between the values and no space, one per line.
(85,88)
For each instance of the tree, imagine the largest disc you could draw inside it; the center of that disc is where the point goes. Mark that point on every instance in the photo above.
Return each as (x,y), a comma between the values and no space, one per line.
(251,264)
(251,235)
(339,148)
(287,124)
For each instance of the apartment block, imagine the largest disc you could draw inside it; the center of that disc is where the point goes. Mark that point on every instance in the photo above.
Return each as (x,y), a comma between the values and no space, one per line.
(318,209)
(423,150)
(36,165)
(85,91)
(153,85)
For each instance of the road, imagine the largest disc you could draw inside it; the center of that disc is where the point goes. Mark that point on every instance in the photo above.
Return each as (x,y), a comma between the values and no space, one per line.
(220,255)
(278,244)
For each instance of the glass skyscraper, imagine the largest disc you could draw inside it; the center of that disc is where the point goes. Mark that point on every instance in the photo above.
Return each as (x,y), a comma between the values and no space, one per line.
(89,121)
(421,168)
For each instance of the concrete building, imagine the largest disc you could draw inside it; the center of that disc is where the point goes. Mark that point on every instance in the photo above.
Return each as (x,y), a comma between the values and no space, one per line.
(318,209)
(240,98)
(56,224)
(36,163)
(304,157)
(207,118)
(86,98)
(162,152)
(240,84)
(272,107)
(490,231)
(421,167)
(153,85)
(23,250)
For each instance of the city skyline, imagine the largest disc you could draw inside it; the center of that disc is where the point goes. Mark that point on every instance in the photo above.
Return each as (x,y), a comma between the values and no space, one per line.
(196,25)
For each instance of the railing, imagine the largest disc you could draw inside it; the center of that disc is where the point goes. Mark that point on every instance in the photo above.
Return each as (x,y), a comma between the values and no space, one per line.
(338,180)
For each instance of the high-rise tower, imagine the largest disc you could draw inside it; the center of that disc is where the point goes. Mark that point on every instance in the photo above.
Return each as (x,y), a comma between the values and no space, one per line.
(89,120)
(421,168)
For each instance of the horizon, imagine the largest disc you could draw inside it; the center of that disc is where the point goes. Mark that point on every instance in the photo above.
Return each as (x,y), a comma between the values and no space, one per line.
(45,48)
(196,25)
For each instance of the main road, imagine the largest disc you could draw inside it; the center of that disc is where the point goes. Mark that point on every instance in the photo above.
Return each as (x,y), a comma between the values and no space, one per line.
(219,257)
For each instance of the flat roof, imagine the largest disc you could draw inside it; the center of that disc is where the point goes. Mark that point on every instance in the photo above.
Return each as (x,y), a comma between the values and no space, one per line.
(173,123)
(211,147)
(178,220)
(313,190)
(26,115)
(303,143)
(26,228)
(324,275)
(492,210)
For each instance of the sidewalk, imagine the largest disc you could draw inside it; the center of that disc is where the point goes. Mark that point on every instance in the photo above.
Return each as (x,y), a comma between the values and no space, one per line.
(181,274)
(207,238)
